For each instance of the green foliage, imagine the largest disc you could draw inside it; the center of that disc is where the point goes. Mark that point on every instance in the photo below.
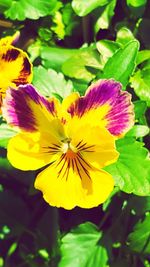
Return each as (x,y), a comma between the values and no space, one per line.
(50,83)
(82,8)
(105,18)
(141,84)
(75,66)
(71,44)
(32,9)
(81,247)
(121,65)
(139,239)
(129,176)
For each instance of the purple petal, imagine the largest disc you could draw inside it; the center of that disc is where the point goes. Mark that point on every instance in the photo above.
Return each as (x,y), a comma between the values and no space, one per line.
(25,108)
(119,115)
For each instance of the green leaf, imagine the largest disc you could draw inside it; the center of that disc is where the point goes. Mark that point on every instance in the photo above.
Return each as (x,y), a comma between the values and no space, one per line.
(139,109)
(121,65)
(80,248)
(6,132)
(54,57)
(141,84)
(76,66)
(137,7)
(31,9)
(132,170)
(34,50)
(138,131)
(139,239)
(105,18)
(50,83)
(136,3)
(84,7)
(59,27)
(124,36)
(106,48)
(4,5)
(142,56)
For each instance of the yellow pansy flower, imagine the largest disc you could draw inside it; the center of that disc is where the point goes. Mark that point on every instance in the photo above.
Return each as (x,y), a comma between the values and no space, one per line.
(74,140)
(15,66)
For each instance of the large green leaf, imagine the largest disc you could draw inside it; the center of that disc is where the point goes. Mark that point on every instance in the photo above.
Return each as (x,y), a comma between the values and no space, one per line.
(141,84)
(54,57)
(132,170)
(139,239)
(84,7)
(31,9)
(76,66)
(49,82)
(121,65)
(80,248)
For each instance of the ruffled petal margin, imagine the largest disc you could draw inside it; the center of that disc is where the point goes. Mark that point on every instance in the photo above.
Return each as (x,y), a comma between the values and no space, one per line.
(84,192)
(26,109)
(104,102)
(16,68)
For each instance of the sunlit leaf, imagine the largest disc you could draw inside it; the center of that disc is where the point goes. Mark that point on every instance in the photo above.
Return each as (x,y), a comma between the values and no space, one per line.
(139,239)
(141,84)
(137,7)
(51,83)
(54,57)
(84,7)
(132,170)
(121,65)
(32,9)
(75,67)
(142,56)
(59,27)
(105,18)
(138,131)
(106,48)
(80,248)
(124,35)
(136,3)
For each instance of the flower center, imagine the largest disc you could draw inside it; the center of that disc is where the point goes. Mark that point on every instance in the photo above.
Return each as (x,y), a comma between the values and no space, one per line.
(68,148)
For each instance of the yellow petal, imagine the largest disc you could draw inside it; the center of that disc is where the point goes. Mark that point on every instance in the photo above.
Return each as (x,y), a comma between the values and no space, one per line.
(32,151)
(74,191)
(96,144)
(10,40)
(15,67)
